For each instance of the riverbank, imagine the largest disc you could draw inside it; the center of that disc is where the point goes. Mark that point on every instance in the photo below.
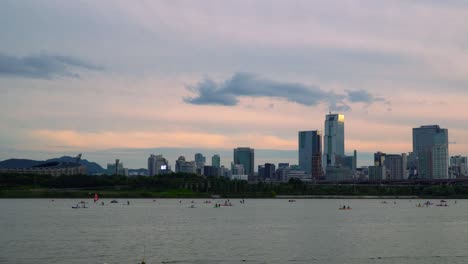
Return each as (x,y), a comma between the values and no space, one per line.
(182,193)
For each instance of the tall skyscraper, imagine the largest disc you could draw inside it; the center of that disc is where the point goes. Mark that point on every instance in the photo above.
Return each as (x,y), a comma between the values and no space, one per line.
(310,151)
(246,157)
(216,161)
(430,144)
(334,140)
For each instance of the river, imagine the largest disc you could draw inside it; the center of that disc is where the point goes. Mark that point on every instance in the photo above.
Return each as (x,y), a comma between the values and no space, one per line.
(258,231)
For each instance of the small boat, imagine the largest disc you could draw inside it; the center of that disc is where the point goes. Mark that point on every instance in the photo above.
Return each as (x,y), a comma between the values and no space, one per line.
(192,206)
(292,201)
(114,201)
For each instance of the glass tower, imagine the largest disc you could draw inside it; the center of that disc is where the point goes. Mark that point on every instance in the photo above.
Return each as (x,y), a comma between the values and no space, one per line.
(333,140)
(430,145)
(310,151)
(245,157)
(216,161)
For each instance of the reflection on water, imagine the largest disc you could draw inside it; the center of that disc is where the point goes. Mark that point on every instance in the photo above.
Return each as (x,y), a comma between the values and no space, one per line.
(258,231)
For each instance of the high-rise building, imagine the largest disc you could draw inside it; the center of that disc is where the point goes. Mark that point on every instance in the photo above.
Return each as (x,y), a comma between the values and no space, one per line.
(310,152)
(379,158)
(157,165)
(237,169)
(211,171)
(216,161)
(245,156)
(350,162)
(458,167)
(184,166)
(269,172)
(395,166)
(430,144)
(261,172)
(117,168)
(333,140)
(377,173)
(200,160)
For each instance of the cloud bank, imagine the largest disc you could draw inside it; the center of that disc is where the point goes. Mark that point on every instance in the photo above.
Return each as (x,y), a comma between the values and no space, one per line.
(44,66)
(227,93)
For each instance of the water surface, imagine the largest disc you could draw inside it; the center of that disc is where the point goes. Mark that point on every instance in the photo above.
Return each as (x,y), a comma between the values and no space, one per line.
(259,231)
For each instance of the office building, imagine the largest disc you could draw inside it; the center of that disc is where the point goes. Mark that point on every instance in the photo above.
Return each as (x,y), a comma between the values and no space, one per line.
(377,173)
(200,160)
(350,162)
(395,166)
(261,172)
(245,157)
(237,169)
(116,168)
(379,159)
(157,165)
(216,161)
(430,144)
(183,166)
(284,174)
(310,152)
(270,170)
(333,140)
(338,173)
(211,171)
(458,167)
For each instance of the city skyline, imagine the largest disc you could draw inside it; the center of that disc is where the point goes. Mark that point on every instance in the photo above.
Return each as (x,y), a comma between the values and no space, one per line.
(129,77)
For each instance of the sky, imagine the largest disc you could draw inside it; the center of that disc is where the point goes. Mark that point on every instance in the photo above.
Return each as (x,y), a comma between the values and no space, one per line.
(123,79)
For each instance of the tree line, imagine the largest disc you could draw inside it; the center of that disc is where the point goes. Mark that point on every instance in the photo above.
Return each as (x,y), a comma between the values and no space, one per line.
(218,185)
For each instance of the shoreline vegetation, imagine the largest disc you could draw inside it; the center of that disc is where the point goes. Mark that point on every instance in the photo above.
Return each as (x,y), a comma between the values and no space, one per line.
(193,186)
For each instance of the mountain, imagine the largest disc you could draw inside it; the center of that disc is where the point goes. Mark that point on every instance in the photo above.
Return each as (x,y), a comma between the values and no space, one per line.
(19,163)
(91,167)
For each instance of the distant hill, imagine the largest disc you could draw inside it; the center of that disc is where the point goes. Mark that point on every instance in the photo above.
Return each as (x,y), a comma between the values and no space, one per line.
(91,167)
(19,163)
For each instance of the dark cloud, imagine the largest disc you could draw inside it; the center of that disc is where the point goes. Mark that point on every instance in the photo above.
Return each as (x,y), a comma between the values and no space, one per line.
(362,96)
(44,66)
(226,93)
(246,84)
